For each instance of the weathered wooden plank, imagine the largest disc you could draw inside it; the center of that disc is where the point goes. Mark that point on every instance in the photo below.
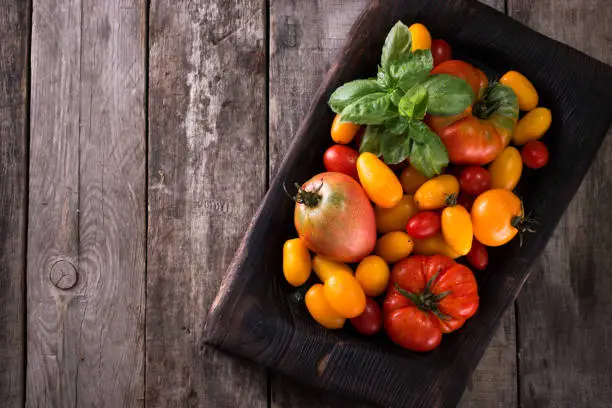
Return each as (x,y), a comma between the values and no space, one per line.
(14,30)
(207,174)
(565,308)
(87,205)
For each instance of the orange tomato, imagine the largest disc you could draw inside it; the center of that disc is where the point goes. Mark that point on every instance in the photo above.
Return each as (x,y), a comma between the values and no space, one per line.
(411,180)
(435,245)
(395,218)
(434,193)
(373,275)
(394,246)
(496,217)
(378,181)
(506,169)
(324,267)
(296,262)
(421,39)
(523,88)
(320,309)
(457,229)
(343,132)
(344,294)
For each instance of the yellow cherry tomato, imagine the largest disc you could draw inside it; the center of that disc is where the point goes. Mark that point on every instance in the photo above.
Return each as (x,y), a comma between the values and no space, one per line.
(296,262)
(325,267)
(411,180)
(457,229)
(435,245)
(525,91)
(497,216)
(394,246)
(345,294)
(434,193)
(378,181)
(343,132)
(373,275)
(506,169)
(532,126)
(421,39)
(396,218)
(320,309)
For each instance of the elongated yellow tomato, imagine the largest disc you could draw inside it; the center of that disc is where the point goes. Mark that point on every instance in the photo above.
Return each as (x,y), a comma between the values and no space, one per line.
(421,39)
(532,126)
(394,246)
(457,229)
(523,88)
(395,218)
(320,309)
(506,169)
(434,193)
(435,245)
(296,262)
(343,132)
(411,180)
(345,294)
(373,275)
(325,267)
(378,181)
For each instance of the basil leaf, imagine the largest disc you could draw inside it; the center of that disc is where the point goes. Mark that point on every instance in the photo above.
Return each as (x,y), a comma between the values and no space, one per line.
(372,109)
(448,95)
(383,79)
(397,43)
(413,104)
(351,92)
(395,148)
(428,154)
(397,125)
(411,68)
(371,140)
(396,96)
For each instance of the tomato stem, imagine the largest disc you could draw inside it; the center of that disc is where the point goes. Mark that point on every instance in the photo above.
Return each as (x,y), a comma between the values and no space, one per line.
(426,301)
(310,198)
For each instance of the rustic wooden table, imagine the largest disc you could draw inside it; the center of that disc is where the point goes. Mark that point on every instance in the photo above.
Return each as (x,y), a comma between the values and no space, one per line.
(136,141)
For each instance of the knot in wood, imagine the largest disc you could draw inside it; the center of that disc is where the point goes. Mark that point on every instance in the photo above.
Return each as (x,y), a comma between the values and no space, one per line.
(63,275)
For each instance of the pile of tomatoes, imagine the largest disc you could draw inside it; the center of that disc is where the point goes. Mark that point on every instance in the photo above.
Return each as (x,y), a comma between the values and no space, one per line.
(373,232)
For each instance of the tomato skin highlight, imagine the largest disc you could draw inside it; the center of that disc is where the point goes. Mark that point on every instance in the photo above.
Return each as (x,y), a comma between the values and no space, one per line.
(474,180)
(370,321)
(373,275)
(378,180)
(343,132)
(320,309)
(434,193)
(423,225)
(457,229)
(523,88)
(441,51)
(492,216)
(535,154)
(297,263)
(506,169)
(478,256)
(344,294)
(341,159)
(471,141)
(395,218)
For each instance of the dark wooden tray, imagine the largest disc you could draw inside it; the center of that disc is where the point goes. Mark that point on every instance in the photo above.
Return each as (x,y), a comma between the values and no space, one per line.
(258,316)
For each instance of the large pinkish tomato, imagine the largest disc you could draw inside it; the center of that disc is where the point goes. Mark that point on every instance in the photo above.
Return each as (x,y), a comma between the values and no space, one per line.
(335,218)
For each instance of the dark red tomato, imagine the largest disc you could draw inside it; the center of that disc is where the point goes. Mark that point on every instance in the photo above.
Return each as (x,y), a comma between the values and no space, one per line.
(359,137)
(478,256)
(341,159)
(475,180)
(441,51)
(425,224)
(535,154)
(370,321)
(466,201)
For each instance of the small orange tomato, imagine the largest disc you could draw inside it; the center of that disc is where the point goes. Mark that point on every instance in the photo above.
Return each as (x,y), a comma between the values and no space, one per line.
(395,218)
(523,88)
(394,246)
(325,267)
(435,245)
(421,39)
(532,126)
(457,229)
(434,193)
(343,132)
(378,181)
(320,309)
(411,180)
(496,217)
(373,275)
(296,262)
(344,294)
(506,169)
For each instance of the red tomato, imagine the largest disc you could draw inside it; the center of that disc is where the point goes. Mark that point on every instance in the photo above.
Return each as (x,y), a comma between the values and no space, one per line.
(441,51)
(475,180)
(466,200)
(341,159)
(478,256)
(461,69)
(425,224)
(370,321)
(535,154)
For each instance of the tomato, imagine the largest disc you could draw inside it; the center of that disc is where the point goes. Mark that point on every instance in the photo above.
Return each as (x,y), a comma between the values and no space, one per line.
(379,181)
(457,229)
(461,69)
(421,39)
(411,180)
(506,169)
(532,126)
(429,296)
(373,275)
(466,200)
(370,321)
(478,256)
(325,267)
(423,225)
(434,193)
(395,218)
(535,154)
(335,218)
(320,309)
(441,51)
(523,88)
(435,245)
(296,262)
(497,216)
(344,294)
(341,159)
(343,132)
(394,246)
(474,180)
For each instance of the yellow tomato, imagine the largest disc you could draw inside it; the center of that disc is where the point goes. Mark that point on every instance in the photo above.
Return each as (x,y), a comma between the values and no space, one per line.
(325,267)
(435,192)
(320,309)
(373,275)
(421,39)
(395,219)
(394,246)
(344,294)
(435,245)
(506,169)
(411,180)
(296,262)
(378,181)
(457,229)
(525,91)
(343,132)
(497,216)
(532,126)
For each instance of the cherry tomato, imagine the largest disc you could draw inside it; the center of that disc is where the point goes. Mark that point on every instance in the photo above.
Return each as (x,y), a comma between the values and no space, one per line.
(523,88)
(435,245)
(344,294)
(475,180)
(370,321)
(496,217)
(434,193)
(373,275)
(395,219)
(457,229)
(532,126)
(423,225)
(421,39)
(441,51)
(506,169)
(320,309)
(296,262)
(325,267)
(535,154)
(343,132)
(478,256)
(341,159)
(379,181)
(411,180)
(394,246)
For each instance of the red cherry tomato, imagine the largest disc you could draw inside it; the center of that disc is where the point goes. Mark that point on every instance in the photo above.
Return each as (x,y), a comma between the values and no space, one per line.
(425,224)
(441,51)
(341,159)
(475,180)
(370,321)
(478,256)
(466,201)
(535,154)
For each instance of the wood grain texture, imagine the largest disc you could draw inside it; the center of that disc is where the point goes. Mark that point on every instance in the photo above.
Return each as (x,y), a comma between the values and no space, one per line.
(207,174)
(565,308)
(87,205)
(14,30)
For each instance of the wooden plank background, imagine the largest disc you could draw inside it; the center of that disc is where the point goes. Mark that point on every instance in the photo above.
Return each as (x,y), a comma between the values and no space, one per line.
(136,140)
